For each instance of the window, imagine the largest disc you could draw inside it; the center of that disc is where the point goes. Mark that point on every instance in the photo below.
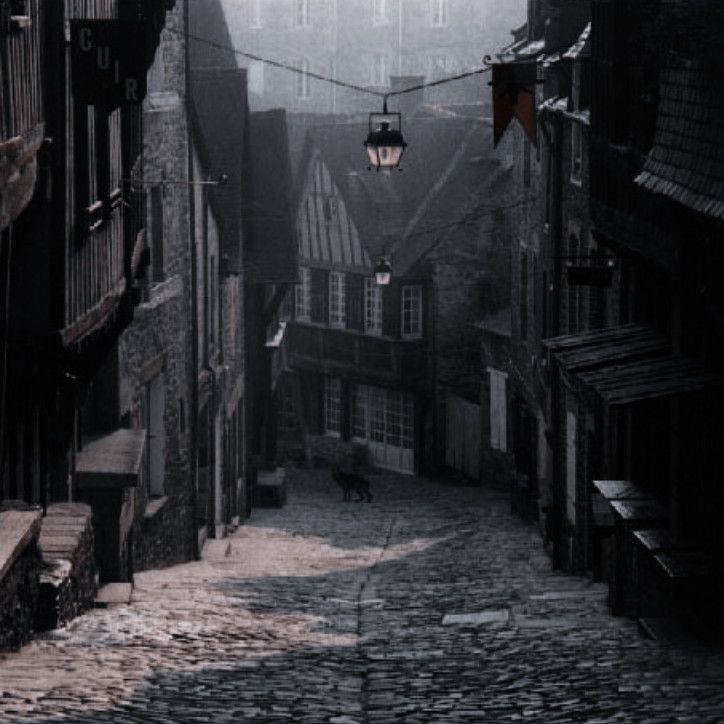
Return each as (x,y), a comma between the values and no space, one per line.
(373,306)
(412,312)
(576,86)
(332,406)
(576,152)
(302,15)
(330,208)
(439,66)
(301,80)
(255,13)
(256,77)
(303,296)
(438,13)
(360,412)
(379,70)
(337,316)
(379,12)
(498,410)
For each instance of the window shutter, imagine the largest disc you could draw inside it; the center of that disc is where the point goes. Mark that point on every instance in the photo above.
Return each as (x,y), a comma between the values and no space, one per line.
(355,302)
(391,311)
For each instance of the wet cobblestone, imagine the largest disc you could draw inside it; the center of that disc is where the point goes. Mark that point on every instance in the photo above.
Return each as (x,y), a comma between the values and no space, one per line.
(333,612)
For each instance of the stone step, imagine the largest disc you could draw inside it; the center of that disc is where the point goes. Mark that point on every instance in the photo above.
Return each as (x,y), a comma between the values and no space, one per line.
(114,594)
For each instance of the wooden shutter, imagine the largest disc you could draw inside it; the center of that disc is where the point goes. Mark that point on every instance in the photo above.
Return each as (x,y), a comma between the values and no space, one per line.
(391,311)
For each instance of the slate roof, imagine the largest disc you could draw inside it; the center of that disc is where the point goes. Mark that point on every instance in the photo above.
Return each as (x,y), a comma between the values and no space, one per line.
(686,162)
(270,248)
(400,210)
(220,125)
(208,21)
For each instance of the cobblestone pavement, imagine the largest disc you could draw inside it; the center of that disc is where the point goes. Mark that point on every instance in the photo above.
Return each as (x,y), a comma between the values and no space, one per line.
(333,612)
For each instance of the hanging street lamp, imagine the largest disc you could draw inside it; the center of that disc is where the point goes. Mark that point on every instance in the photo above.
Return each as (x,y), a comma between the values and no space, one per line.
(383,271)
(385,144)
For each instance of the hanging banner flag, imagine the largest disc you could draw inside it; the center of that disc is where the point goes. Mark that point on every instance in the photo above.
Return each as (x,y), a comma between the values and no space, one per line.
(514,97)
(109,62)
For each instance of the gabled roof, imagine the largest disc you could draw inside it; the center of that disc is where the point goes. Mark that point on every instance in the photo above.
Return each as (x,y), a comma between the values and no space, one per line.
(686,162)
(220,124)
(396,212)
(207,22)
(270,249)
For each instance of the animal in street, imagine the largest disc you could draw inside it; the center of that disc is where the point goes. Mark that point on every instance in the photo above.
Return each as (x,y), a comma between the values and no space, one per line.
(352,482)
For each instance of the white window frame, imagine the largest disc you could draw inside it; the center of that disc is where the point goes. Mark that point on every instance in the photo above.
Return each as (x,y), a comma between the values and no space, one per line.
(411,311)
(255,14)
(302,87)
(373,307)
(302,14)
(379,70)
(438,13)
(498,410)
(380,12)
(256,77)
(303,296)
(332,406)
(337,300)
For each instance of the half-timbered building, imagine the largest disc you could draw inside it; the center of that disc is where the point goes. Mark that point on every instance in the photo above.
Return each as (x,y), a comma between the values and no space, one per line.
(365,356)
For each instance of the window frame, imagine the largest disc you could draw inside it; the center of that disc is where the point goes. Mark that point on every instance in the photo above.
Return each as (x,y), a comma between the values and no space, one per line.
(302,14)
(302,86)
(438,13)
(414,329)
(373,307)
(303,296)
(337,306)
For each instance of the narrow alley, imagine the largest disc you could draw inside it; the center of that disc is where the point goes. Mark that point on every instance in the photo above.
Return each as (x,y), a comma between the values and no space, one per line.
(431,604)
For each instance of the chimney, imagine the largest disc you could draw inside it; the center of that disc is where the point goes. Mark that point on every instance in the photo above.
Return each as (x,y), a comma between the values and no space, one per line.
(407,103)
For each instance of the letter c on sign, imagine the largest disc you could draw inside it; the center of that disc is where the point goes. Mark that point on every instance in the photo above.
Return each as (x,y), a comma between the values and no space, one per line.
(85,40)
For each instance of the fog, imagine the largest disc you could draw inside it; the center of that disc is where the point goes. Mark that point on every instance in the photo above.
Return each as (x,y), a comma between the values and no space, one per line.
(365,42)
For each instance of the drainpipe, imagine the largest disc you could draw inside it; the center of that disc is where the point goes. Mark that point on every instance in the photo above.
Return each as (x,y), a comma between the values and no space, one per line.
(193,377)
(554,143)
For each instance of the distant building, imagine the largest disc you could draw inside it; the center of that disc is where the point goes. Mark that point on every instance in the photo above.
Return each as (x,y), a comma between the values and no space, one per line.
(363,42)
(375,365)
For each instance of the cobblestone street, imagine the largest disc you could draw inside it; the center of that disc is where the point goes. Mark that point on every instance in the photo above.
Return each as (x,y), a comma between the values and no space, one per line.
(333,612)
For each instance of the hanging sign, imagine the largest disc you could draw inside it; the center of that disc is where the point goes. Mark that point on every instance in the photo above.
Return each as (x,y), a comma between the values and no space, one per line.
(514,97)
(108,60)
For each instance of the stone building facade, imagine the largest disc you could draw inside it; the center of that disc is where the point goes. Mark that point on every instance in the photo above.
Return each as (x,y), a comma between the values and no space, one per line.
(364,43)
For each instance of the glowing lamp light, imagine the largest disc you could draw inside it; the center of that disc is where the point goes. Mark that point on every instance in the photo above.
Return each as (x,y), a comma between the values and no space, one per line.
(383,272)
(385,144)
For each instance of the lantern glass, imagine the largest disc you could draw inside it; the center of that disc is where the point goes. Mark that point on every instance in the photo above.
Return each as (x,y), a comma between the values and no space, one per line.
(385,144)
(383,272)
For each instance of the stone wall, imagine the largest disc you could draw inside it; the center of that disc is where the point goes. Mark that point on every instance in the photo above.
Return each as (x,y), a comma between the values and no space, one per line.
(68,583)
(20,564)
(156,348)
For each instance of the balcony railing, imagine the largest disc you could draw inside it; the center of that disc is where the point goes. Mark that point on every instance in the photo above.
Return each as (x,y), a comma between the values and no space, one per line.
(356,356)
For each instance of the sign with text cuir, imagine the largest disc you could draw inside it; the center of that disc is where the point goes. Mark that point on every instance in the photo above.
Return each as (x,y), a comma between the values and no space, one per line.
(108,61)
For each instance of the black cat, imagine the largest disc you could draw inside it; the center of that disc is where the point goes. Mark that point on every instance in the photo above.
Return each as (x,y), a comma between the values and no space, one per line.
(350,482)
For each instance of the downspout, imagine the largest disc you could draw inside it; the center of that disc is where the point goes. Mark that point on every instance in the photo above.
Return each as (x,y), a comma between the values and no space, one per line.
(211,414)
(558,469)
(193,377)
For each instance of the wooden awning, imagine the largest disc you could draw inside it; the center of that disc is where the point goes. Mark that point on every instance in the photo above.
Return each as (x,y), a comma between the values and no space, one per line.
(111,461)
(603,347)
(664,376)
